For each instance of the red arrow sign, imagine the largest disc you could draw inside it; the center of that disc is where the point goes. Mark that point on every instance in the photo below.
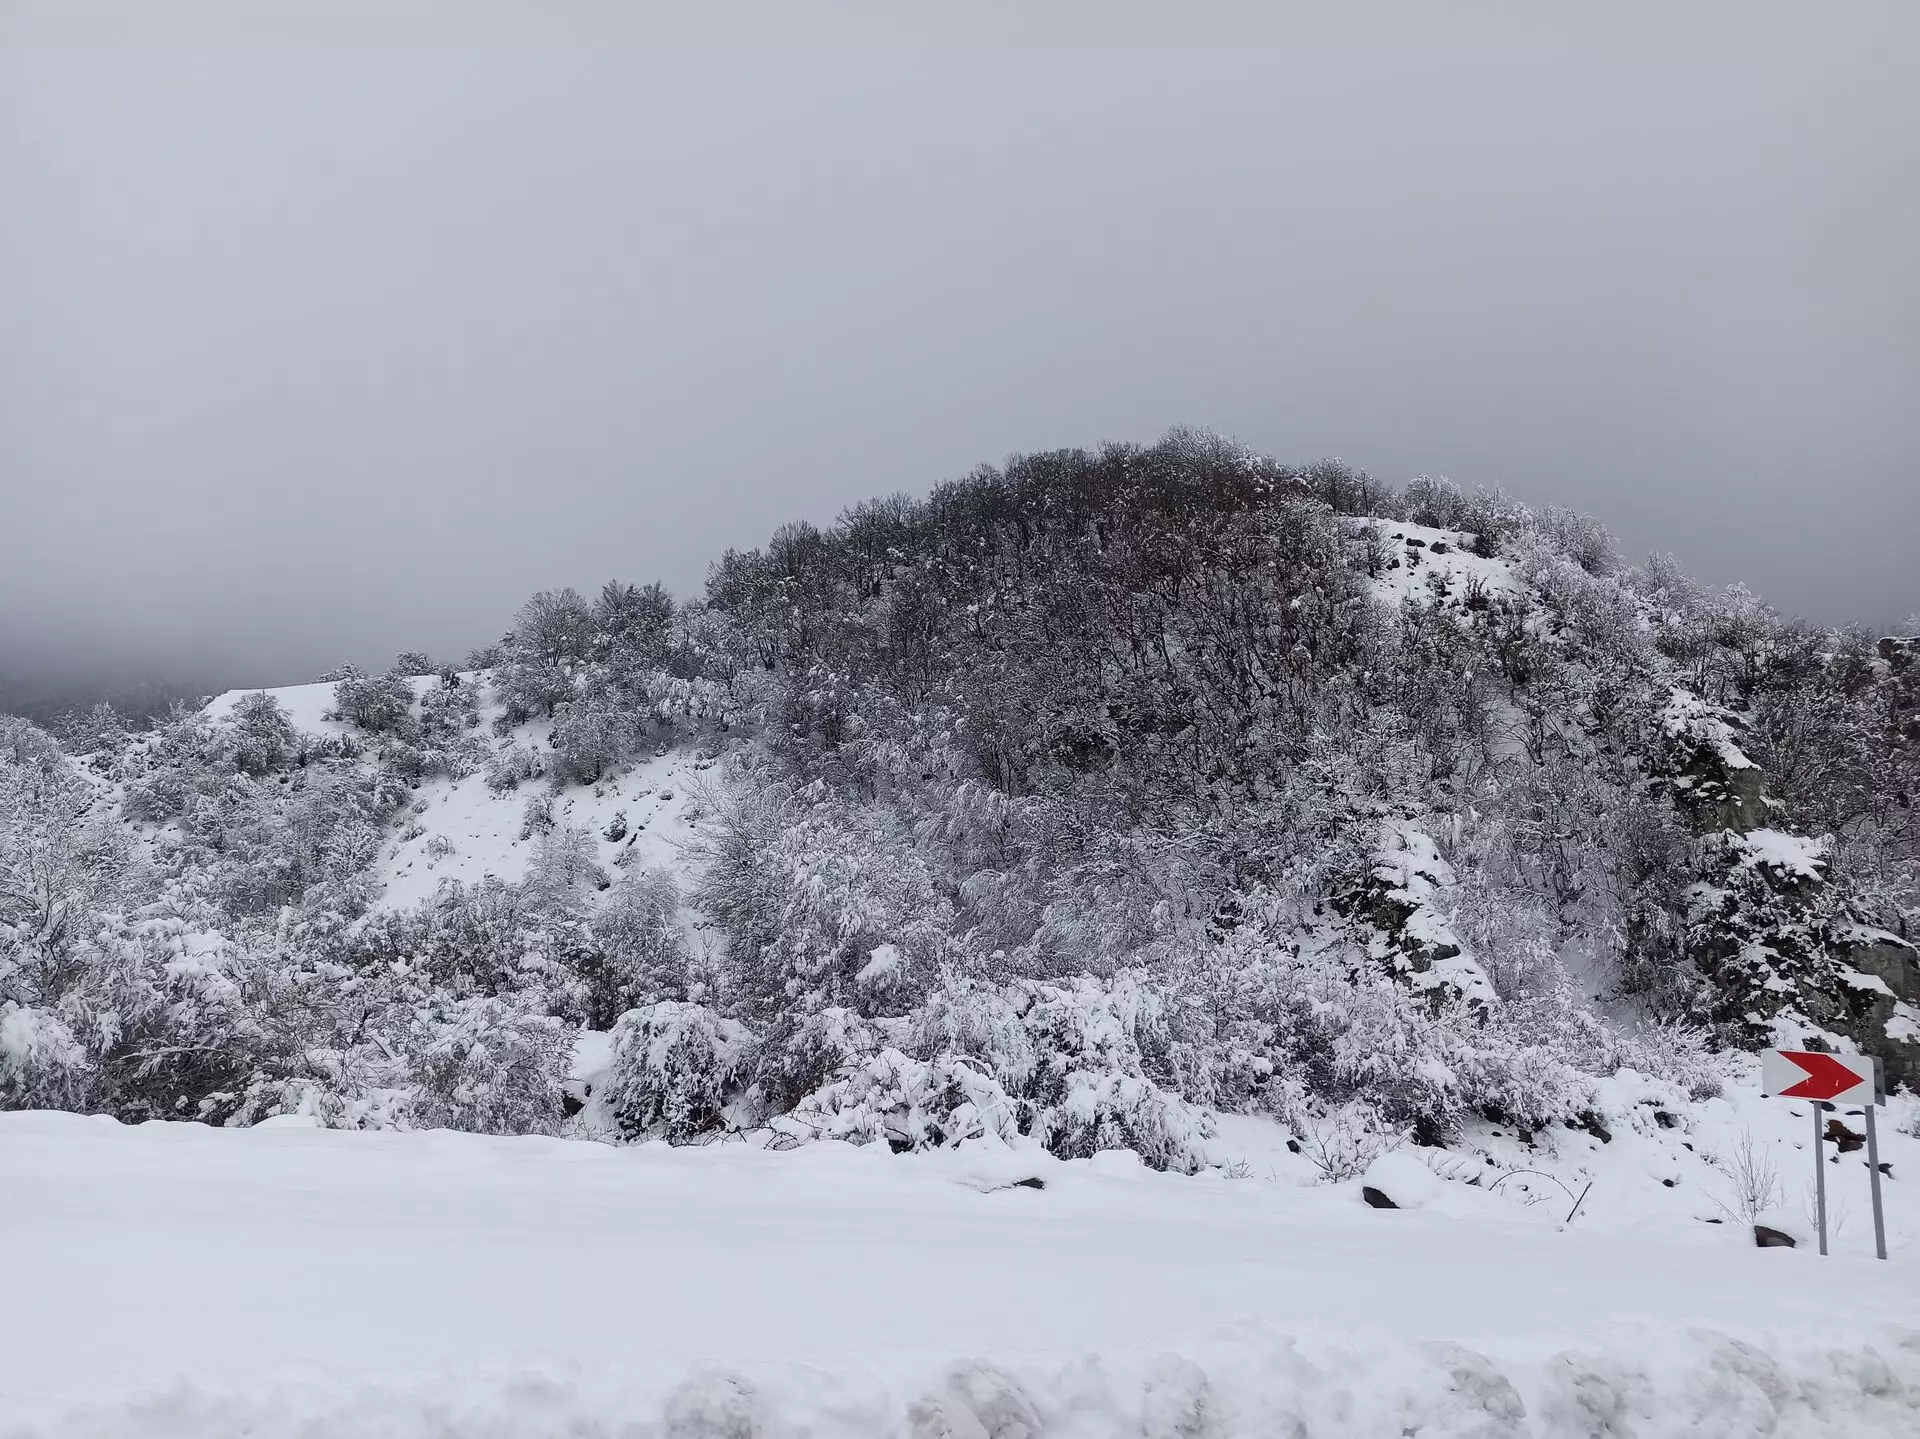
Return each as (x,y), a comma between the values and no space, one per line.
(1826,1075)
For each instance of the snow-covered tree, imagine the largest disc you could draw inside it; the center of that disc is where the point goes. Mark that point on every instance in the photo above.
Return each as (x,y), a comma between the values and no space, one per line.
(675,1069)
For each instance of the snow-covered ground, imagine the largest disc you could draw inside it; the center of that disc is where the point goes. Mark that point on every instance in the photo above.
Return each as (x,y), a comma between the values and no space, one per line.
(1420,558)
(170,1279)
(481,830)
(458,829)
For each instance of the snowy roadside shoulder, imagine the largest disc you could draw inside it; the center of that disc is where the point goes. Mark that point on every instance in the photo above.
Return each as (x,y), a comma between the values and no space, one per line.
(1253,1381)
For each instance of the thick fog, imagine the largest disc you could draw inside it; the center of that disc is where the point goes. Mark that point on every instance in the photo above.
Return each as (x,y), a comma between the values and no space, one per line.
(328,330)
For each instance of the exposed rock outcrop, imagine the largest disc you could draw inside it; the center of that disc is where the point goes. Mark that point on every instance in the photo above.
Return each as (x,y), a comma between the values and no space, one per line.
(1786,958)
(1405,934)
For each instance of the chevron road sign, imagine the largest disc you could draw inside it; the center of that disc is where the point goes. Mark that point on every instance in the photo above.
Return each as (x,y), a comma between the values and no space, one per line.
(1811,1074)
(1830,1080)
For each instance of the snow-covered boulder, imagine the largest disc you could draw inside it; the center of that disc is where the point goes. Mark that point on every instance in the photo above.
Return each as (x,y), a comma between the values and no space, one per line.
(1778,1228)
(1401,1179)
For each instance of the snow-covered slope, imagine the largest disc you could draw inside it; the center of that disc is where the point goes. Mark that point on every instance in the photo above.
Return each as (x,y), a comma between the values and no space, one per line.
(307,707)
(1421,562)
(479,832)
(287,1280)
(459,829)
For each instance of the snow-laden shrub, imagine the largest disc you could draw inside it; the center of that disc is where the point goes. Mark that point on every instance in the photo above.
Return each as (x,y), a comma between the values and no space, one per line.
(155,797)
(1083,1024)
(910,1104)
(1062,1063)
(1582,538)
(488,1067)
(508,768)
(164,1014)
(1910,1125)
(59,864)
(263,736)
(673,1070)
(980,1022)
(637,953)
(1569,570)
(410,763)
(1105,1110)
(1343,1141)
(590,737)
(563,867)
(536,815)
(807,888)
(1294,1028)
(385,1042)
(378,704)
(804,1052)
(449,708)
(99,729)
(338,1089)
(1437,501)
(42,1066)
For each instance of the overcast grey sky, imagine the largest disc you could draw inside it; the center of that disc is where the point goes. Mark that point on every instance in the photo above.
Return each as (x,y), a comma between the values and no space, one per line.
(331,329)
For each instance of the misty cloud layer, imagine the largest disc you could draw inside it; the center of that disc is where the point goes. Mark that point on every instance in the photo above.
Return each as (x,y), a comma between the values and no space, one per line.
(330,334)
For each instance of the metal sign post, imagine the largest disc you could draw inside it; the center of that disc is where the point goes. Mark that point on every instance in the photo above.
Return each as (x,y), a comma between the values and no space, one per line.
(1834,1079)
(1873,1161)
(1820,1171)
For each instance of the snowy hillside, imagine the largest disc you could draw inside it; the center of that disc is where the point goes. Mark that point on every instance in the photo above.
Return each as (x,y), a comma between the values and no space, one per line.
(1235,850)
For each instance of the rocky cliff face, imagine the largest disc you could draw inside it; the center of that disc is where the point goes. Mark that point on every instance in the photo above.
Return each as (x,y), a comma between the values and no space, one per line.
(1788,960)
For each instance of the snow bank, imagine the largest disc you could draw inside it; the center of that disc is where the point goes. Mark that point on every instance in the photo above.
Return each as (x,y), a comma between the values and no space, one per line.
(174,1280)
(1255,1383)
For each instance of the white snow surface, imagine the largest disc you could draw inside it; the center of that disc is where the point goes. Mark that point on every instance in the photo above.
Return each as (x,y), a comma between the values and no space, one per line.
(175,1280)
(461,830)
(1794,855)
(1425,563)
(483,828)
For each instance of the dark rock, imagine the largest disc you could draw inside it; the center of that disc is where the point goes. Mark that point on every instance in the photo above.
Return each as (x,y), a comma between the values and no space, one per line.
(1377,1199)
(1670,1183)
(1766,1238)
(1665,1120)
(1896,964)
(1293,1146)
(1030,1182)
(1843,1138)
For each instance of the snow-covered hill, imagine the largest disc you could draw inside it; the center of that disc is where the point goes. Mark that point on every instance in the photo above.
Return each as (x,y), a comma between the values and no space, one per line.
(1156,810)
